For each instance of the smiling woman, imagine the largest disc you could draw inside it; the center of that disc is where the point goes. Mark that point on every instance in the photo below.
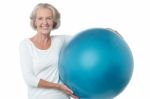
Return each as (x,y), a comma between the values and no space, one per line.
(54,14)
(39,56)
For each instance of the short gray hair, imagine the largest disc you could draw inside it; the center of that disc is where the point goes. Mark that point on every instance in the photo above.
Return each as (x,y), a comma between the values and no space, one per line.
(55,13)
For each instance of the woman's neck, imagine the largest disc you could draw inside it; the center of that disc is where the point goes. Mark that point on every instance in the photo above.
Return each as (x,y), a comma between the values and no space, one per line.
(43,39)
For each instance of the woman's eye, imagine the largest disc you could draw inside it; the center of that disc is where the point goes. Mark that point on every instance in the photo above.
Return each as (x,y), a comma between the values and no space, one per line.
(39,18)
(49,18)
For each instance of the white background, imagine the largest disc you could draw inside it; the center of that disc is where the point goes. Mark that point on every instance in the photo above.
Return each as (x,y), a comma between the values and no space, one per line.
(131,18)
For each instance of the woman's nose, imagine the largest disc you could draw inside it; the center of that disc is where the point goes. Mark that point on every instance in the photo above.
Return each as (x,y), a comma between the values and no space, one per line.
(44,21)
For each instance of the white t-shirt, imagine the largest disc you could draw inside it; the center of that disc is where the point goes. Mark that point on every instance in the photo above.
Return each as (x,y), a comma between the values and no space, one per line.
(39,64)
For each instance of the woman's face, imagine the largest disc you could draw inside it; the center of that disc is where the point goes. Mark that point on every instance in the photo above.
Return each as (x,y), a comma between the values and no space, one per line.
(44,20)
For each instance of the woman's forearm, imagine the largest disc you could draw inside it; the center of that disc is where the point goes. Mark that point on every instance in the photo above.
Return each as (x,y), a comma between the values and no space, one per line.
(46,84)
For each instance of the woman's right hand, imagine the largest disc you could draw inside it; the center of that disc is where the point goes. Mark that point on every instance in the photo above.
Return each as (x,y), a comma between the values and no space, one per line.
(68,91)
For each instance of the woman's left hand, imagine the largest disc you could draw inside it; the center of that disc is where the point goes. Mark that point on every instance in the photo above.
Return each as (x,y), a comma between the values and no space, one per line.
(68,91)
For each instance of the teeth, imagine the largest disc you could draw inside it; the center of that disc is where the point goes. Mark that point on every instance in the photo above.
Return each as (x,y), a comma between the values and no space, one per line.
(44,27)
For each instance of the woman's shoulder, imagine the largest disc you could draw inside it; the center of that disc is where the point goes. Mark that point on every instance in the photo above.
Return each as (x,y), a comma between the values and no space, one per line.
(25,42)
(62,37)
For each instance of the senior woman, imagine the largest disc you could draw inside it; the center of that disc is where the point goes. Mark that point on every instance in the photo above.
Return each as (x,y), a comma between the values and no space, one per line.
(39,56)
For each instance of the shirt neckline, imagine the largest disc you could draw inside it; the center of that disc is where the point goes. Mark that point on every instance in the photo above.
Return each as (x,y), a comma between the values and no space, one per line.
(44,50)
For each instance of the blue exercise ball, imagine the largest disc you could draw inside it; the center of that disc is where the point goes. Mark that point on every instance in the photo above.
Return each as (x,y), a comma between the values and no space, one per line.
(96,64)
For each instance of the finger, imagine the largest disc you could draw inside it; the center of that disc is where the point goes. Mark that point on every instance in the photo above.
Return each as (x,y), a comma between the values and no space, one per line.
(69,90)
(69,93)
(73,96)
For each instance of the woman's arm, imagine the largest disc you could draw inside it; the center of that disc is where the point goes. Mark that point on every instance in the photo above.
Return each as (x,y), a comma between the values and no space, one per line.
(46,84)
(29,76)
(27,65)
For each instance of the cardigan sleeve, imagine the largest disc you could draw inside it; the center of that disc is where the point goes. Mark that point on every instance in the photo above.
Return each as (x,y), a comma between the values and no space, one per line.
(27,65)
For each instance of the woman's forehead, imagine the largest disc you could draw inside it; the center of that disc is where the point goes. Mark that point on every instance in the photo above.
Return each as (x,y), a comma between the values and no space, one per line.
(44,11)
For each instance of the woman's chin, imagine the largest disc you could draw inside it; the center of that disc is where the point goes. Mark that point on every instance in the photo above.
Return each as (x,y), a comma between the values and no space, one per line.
(45,32)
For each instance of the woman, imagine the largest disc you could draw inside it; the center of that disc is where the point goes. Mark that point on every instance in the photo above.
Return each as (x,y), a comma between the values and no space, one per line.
(39,56)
